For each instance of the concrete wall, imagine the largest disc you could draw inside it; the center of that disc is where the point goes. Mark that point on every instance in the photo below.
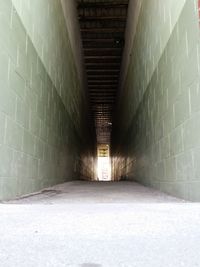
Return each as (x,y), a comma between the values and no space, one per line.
(43,107)
(73,26)
(158,118)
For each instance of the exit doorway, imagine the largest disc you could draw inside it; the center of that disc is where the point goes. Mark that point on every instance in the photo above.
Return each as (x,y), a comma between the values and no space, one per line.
(104,163)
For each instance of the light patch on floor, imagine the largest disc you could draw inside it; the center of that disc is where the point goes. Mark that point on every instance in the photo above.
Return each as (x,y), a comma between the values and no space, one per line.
(82,224)
(96,192)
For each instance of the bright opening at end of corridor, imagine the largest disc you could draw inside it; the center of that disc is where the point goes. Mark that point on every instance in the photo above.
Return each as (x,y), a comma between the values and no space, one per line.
(104,163)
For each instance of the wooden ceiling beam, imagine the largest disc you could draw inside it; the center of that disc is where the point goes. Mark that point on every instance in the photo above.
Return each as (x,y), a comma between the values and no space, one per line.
(102,57)
(105,107)
(102,71)
(101,40)
(94,97)
(103,30)
(110,91)
(102,36)
(98,79)
(111,64)
(110,109)
(97,18)
(102,83)
(102,53)
(103,93)
(100,101)
(123,4)
(98,115)
(102,75)
(102,49)
(101,89)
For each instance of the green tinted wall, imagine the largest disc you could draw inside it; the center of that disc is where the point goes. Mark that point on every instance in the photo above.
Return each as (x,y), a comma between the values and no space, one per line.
(158,120)
(42,103)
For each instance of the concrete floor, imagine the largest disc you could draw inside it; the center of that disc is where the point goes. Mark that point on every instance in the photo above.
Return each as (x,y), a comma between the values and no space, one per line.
(99,224)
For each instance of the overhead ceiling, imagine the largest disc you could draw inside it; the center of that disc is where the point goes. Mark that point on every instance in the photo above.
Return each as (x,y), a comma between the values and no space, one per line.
(102,25)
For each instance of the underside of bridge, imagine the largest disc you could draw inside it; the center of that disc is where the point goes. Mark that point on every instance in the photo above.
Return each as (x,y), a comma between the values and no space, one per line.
(89,79)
